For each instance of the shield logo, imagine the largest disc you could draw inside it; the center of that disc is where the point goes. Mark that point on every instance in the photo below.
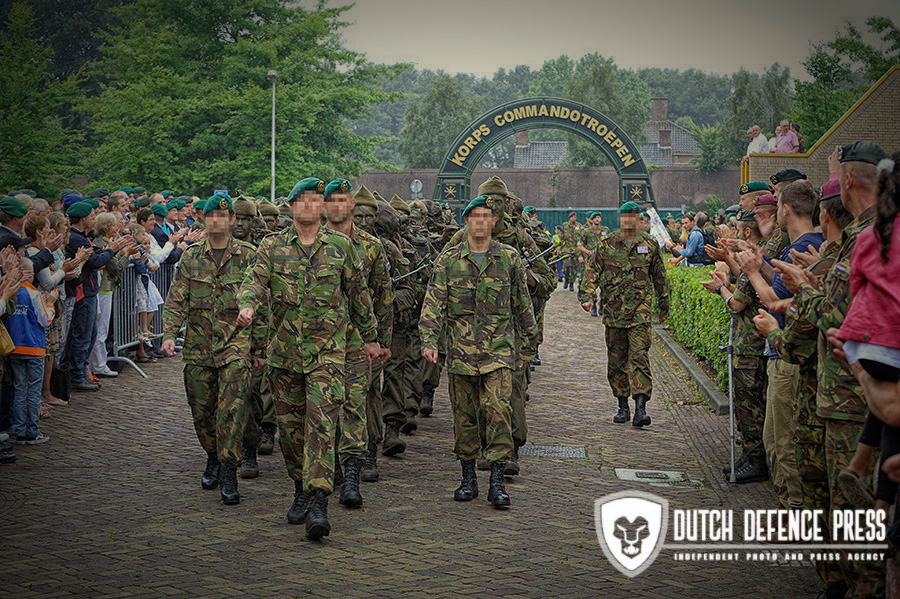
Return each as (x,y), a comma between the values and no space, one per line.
(631,527)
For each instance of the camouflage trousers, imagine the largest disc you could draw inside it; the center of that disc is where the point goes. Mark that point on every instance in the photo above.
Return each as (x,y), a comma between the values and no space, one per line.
(539,304)
(865,579)
(399,374)
(628,368)
(483,397)
(353,435)
(570,268)
(216,398)
(750,402)
(258,406)
(778,431)
(375,405)
(308,407)
(413,375)
(517,405)
(431,373)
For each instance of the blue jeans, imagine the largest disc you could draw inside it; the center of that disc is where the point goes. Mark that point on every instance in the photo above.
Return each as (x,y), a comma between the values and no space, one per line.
(559,269)
(81,336)
(28,378)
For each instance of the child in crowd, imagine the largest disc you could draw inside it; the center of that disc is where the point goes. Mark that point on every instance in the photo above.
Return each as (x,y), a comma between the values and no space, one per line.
(148,298)
(27,328)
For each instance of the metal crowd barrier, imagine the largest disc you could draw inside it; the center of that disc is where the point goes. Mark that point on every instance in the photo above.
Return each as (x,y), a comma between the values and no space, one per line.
(125,322)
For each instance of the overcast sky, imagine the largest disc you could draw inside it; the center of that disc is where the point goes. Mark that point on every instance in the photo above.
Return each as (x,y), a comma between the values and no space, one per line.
(479,36)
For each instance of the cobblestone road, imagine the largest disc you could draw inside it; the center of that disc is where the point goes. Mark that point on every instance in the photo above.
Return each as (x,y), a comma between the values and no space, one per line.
(112,506)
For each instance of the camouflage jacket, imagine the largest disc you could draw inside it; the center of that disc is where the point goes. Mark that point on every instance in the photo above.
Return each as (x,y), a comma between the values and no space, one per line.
(203,296)
(776,243)
(571,233)
(840,396)
(747,339)
(590,238)
(627,277)
(314,298)
(375,272)
(485,313)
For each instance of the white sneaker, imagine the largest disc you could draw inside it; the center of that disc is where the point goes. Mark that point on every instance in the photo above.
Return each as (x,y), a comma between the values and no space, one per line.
(107,373)
(4,437)
(41,438)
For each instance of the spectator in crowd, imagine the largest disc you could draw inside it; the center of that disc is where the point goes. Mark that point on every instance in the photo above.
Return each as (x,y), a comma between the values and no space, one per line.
(802,142)
(148,298)
(106,227)
(693,253)
(759,144)
(786,141)
(164,248)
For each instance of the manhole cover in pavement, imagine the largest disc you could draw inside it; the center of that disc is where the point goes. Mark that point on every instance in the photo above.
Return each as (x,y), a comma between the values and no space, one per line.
(552,451)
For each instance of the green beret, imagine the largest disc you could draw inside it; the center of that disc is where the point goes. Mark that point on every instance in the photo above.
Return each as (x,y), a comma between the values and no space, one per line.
(128,190)
(787,174)
(171,205)
(528,209)
(142,202)
(165,193)
(243,207)
(179,204)
(267,208)
(861,151)
(445,205)
(399,205)
(754,186)
(308,184)
(199,205)
(364,197)
(339,185)
(220,201)
(159,209)
(79,209)
(92,203)
(482,200)
(493,186)
(13,206)
(99,192)
(140,190)
(629,207)
(285,210)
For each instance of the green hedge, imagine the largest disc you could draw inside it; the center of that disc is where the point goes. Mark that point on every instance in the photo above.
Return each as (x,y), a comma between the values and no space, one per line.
(698,319)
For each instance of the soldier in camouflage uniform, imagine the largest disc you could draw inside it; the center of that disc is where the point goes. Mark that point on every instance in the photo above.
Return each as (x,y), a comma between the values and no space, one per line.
(840,400)
(542,238)
(627,267)
(353,438)
(268,213)
(479,294)
(590,240)
(571,233)
(317,290)
(216,353)
(199,224)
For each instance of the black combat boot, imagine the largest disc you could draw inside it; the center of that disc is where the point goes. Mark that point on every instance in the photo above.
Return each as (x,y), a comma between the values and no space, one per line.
(512,466)
(624,414)
(317,525)
(537,357)
(640,415)
(267,440)
(369,472)
(350,495)
(249,466)
(726,470)
(210,478)
(427,406)
(410,424)
(392,444)
(468,488)
(229,488)
(297,513)
(497,492)
(751,471)
(338,471)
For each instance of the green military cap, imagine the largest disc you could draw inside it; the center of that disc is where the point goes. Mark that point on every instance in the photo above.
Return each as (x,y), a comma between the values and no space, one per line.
(62,193)
(482,200)
(399,205)
(787,174)
(91,202)
(668,215)
(165,193)
(861,151)
(178,203)
(140,190)
(79,209)
(267,208)
(243,206)
(13,206)
(754,186)
(364,197)
(142,202)
(98,192)
(629,207)
(128,190)
(643,214)
(528,209)
(747,216)
(308,184)
(337,185)
(171,205)
(15,192)
(220,201)
(285,210)
(159,209)
(493,186)
(199,205)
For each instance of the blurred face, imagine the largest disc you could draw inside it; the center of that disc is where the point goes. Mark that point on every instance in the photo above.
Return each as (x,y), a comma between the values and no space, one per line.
(339,207)
(242,226)
(629,222)
(480,221)
(219,222)
(307,207)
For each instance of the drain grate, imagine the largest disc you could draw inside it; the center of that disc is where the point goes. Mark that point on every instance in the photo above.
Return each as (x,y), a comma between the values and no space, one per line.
(552,451)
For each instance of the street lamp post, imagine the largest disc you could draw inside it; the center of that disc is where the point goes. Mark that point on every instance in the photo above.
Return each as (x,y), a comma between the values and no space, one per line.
(273,74)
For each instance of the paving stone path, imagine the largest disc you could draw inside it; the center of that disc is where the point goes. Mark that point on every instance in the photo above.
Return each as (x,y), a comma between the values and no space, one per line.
(112,506)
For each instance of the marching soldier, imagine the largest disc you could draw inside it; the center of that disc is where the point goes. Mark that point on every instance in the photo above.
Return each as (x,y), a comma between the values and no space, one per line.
(571,233)
(590,240)
(628,267)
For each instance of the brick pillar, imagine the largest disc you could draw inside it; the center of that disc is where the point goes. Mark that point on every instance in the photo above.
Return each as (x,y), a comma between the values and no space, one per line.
(522,138)
(659,109)
(665,138)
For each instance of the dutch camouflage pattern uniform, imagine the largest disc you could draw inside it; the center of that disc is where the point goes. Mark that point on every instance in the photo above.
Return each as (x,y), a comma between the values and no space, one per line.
(484,311)
(797,344)
(571,233)
(354,429)
(317,292)
(590,240)
(627,274)
(216,351)
(840,400)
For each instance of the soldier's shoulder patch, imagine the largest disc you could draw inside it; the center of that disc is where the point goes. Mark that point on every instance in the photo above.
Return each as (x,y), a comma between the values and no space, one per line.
(792,310)
(840,268)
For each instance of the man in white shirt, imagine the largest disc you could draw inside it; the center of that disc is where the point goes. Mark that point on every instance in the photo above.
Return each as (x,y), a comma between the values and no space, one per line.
(758,142)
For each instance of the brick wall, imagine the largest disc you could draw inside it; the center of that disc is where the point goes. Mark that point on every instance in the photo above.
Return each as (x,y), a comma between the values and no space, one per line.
(876,118)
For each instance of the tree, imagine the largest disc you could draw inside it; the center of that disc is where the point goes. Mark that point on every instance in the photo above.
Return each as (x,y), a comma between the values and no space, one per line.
(711,141)
(37,149)
(692,93)
(434,122)
(874,61)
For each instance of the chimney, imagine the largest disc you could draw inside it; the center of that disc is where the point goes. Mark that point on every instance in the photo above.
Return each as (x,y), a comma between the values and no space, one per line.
(522,138)
(665,138)
(659,109)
